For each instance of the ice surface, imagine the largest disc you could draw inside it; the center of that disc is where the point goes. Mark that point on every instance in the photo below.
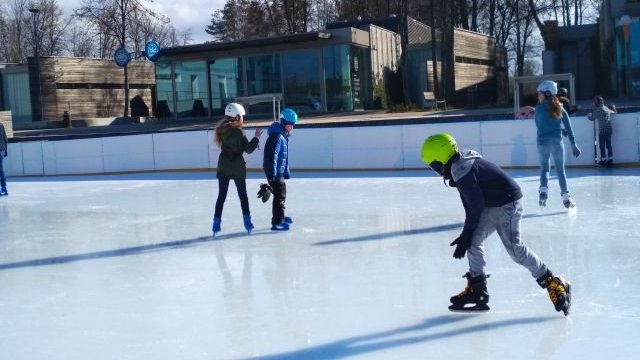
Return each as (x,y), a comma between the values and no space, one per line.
(123,267)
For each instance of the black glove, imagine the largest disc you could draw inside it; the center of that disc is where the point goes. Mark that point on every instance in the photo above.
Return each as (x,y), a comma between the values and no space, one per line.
(286,176)
(265,192)
(6,153)
(462,242)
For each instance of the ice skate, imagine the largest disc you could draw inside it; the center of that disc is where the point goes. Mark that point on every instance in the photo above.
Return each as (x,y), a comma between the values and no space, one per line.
(568,201)
(474,293)
(216,226)
(543,192)
(559,291)
(4,192)
(247,223)
(288,220)
(283,226)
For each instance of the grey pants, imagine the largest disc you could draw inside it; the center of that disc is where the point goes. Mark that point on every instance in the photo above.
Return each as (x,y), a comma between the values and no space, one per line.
(506,221)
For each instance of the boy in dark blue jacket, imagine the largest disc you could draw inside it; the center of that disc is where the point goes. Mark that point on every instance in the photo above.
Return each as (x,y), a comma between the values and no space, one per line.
(492,202)
(276,165)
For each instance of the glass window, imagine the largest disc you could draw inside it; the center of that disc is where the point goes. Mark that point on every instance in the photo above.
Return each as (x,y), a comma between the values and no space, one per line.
(301,75)
(337,77)
(263,74)
(192,97)
(164,91)
(359,62)
(226,83)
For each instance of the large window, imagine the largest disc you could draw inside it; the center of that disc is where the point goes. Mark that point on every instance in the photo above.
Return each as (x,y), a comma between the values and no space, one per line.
(263,74)
(226,83)
(337,77)
(301,74)
(164,91)
(191,89)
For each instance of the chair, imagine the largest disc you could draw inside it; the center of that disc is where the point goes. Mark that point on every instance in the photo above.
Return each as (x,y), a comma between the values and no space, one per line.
(430,99)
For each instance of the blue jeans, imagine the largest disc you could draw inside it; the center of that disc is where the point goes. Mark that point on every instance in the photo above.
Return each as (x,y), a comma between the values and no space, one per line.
(3,179)
(546,149)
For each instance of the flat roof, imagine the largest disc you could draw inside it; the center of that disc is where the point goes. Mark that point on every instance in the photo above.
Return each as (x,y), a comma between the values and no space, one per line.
(241,44)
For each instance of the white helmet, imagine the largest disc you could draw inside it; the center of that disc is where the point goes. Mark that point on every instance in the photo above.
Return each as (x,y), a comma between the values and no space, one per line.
(548,86)
(234,109)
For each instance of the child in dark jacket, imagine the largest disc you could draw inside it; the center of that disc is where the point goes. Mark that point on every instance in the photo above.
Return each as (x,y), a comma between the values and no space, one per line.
(492,202)
(231,165)
(276,165)
(601,117)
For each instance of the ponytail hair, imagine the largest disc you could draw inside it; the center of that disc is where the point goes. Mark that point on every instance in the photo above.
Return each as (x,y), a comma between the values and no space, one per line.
(223,126)
(555,107)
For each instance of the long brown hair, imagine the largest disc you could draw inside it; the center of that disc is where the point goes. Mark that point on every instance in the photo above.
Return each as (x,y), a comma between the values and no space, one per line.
(225,125)
(555,107)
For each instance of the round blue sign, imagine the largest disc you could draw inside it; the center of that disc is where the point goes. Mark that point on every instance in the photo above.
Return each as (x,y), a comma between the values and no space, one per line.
(152,50)
(122,57)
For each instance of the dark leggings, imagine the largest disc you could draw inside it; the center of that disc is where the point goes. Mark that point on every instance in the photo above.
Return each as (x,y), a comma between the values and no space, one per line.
(279,189)
(223,187)
(605,140)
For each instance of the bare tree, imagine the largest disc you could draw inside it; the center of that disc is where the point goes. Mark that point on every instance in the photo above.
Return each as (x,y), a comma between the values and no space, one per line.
(122,20)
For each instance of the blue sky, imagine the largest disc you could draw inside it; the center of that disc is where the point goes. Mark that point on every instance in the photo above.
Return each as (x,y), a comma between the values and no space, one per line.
(194,14)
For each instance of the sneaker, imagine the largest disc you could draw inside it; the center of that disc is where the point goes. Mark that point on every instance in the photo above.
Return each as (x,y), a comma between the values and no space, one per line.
(568,201)
(283,226)
(559,291)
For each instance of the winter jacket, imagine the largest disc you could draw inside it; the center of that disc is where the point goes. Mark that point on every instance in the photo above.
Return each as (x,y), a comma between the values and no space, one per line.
(276,152)
(481,184)
(602,117)
(3,140)
(231,163)
(550,128)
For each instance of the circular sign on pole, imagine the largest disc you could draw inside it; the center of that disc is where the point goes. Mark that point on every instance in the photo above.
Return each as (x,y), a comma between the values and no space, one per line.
(122,57)
(152,50)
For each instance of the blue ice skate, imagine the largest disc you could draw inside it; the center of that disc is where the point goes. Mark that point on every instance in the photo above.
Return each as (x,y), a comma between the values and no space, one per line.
(283,226)
(247,223)
(216,226)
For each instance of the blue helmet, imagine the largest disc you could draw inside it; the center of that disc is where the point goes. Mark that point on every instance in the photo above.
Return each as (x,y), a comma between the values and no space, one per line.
(288,117)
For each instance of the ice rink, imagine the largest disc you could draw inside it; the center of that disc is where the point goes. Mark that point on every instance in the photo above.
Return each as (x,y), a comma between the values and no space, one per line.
(124,267)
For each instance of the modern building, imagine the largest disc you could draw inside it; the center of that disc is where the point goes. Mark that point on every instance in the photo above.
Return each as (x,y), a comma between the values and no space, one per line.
(47,87)
(603,57)
(347,67)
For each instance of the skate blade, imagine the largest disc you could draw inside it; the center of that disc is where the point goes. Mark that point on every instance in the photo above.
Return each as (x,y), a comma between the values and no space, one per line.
(470,309)
(567,302)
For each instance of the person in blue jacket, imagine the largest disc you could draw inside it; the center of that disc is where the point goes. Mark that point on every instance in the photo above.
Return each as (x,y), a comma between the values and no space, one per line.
(492,201)
(551,120)
(276,165)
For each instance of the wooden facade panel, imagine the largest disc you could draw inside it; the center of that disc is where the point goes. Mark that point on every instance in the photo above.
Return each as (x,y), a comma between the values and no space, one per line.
(472,45)
(90,103)
(467,75)
(5,119)
(93,71)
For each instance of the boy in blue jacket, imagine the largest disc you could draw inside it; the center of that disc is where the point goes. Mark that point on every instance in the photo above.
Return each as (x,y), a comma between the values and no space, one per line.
(492,202)
(276,165)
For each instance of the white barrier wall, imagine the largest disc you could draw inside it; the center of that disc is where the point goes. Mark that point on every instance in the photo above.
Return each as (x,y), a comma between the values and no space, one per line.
(509,143)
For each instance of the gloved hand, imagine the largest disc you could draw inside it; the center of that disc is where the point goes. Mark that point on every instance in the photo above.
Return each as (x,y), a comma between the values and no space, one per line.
(462,242)
(265,192)
(565,133)
(576,150)
(6,153)
(286,176)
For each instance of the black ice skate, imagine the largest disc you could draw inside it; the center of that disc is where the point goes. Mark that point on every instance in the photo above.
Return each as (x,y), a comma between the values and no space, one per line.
(559,291)
(543,191)
(474,293)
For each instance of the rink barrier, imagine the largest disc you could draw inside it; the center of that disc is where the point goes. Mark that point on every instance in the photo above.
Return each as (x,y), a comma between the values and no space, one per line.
(509,143)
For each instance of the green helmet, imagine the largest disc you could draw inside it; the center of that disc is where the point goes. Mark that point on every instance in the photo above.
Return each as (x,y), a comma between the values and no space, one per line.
(440,148)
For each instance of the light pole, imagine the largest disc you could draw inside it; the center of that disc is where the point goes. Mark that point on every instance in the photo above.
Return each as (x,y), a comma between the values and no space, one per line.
(35,12)
(36,57)
(625,21)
